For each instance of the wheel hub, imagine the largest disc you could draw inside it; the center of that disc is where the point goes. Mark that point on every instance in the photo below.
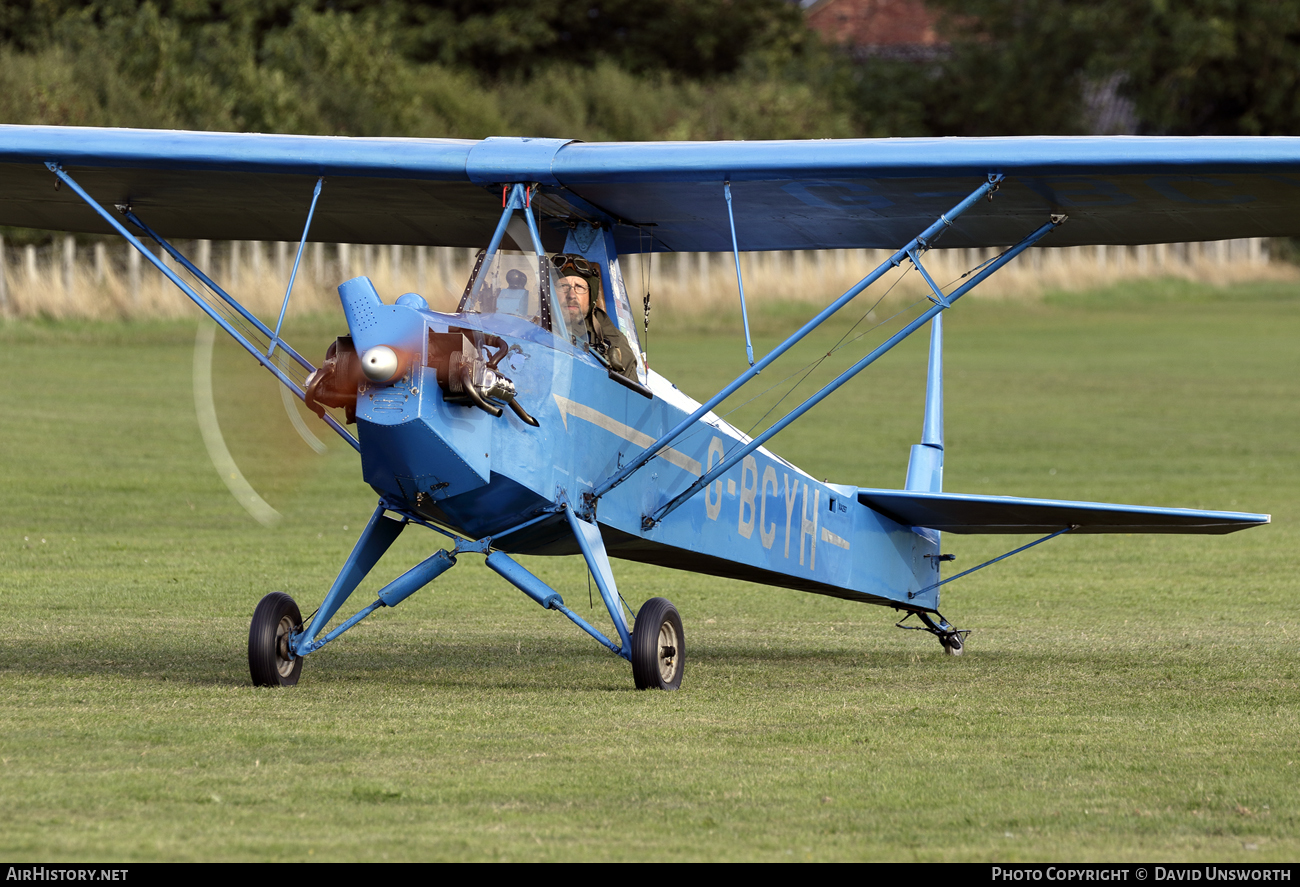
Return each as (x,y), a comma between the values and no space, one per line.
(667,652)
(283,658)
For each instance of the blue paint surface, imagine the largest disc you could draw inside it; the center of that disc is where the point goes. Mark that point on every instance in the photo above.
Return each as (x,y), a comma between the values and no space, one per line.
(478,475)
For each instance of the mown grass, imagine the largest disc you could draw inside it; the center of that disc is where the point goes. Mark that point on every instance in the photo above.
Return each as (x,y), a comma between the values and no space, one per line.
(1130,697)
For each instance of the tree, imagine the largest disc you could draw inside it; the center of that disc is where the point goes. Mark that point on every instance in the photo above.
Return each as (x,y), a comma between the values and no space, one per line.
(1190,67)
(1211,67)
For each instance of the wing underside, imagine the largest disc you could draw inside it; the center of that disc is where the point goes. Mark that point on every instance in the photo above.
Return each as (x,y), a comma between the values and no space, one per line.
(963,513)
(865,193)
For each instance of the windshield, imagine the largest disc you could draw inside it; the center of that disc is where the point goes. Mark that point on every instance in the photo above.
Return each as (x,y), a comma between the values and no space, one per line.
(516,283)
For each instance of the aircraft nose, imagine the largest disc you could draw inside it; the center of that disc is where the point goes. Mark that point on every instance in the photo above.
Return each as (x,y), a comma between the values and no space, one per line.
(373,324)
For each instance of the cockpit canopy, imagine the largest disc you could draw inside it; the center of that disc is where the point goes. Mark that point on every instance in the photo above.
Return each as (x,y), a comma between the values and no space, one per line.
(515,283)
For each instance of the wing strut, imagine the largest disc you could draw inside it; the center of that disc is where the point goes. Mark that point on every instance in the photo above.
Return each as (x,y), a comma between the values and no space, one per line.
(922,240)
(293,275)
(741,452)
(735,250)
(513,198)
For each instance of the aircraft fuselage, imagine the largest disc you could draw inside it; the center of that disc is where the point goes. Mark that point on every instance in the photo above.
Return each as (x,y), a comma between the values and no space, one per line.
(478,475)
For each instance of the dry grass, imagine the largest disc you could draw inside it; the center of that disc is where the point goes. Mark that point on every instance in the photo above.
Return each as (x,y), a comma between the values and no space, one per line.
(704,283)
(101,283)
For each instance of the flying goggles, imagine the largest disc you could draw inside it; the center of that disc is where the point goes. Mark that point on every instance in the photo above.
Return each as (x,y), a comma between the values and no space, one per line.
(561,261)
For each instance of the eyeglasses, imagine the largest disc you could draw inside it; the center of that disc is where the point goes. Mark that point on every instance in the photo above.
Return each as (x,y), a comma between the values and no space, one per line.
(576,287)
(578,263)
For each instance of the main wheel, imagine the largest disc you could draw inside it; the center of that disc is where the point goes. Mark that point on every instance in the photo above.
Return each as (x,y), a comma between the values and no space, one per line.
(269,659)
(658,646)
(952,644)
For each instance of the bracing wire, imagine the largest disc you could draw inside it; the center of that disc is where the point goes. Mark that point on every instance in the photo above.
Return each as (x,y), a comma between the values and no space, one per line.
(838,345)
(644,261)
(808,368)
(254,335)
(805,371)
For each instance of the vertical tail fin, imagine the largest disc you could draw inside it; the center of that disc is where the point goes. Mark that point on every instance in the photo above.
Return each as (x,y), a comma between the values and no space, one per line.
(925,467)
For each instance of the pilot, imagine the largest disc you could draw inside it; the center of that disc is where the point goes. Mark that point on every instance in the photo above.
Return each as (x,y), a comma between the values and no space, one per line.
(579,298)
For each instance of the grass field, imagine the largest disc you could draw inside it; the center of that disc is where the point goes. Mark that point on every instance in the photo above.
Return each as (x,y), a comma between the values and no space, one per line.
(1121,698)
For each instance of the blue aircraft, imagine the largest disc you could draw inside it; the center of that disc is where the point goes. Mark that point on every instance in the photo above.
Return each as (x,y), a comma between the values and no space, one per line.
(527,422)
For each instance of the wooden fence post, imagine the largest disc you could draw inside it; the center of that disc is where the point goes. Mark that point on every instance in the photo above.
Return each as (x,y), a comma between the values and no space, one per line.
(345,261)
(443,259)
(69,260)
(133,273)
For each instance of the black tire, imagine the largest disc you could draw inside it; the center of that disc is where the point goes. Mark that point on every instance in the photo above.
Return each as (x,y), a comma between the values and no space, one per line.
(953,645)
(269,661)
(658,646)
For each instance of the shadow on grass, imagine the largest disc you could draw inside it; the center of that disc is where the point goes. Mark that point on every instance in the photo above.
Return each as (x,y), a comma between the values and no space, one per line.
(491,657)
(494,662)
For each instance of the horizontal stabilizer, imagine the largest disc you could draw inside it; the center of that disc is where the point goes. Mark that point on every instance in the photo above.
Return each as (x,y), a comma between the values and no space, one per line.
(965,513)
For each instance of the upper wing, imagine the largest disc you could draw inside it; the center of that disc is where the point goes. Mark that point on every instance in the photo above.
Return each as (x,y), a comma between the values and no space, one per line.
(231,186)
(863,193)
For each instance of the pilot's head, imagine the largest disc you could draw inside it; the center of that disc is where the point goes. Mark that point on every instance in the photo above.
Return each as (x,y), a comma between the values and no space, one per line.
(577,293)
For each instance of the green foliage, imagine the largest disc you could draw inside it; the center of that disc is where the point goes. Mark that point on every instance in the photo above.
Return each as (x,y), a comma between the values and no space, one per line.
(61,87)
(337,74)
(618,69)
(607,102)
(1203,67)
(694,71)
(1212,67)
(1016,68)
(693,38)
(322,72)
(1010,68)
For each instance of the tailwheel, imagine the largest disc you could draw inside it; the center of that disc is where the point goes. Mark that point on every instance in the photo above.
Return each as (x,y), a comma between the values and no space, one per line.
(269,659)
(658,646)
(953,640)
